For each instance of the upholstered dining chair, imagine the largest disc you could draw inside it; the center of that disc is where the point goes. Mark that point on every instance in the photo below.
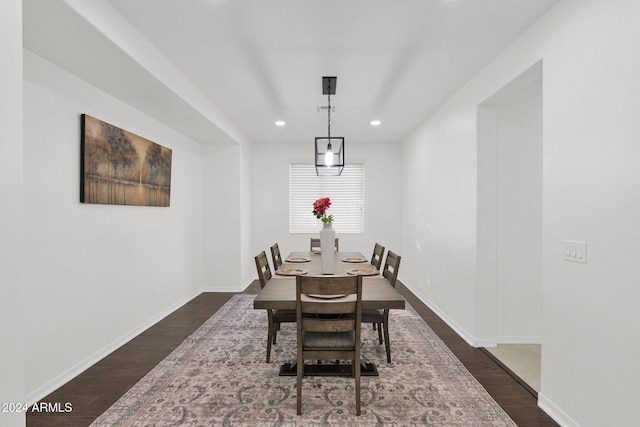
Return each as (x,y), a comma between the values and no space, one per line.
(378,254)
(380,317)
(276,257)
(328,325)
(314,245)
(274,317)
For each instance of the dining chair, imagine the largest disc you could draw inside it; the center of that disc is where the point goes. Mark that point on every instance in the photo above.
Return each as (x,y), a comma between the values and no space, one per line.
(380,317)
(274,317)
(376,262)
(378,254)
(314,245)
(328,310)
(276,257)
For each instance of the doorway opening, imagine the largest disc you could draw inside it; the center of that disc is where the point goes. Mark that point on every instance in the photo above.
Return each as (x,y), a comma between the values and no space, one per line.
(510,224)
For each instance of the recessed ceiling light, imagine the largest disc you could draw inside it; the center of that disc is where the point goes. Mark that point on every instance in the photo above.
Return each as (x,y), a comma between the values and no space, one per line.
(375,122)
(280,123)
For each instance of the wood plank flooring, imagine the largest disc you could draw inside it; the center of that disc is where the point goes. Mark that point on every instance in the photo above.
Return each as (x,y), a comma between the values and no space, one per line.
(95,390)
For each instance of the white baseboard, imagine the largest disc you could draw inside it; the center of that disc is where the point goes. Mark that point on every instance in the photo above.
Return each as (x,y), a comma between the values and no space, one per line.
(477,343)
(520,340)
(470,339)
(246,285)
(555,412)
(225,289)
(82,366)
(239,289)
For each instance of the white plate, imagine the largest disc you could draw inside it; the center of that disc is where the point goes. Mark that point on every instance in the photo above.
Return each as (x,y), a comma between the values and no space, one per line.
(298,259)
(363,271)
(290,271)
(354,259)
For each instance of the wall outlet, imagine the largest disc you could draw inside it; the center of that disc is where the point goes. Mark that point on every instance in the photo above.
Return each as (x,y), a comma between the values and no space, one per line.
(575,251)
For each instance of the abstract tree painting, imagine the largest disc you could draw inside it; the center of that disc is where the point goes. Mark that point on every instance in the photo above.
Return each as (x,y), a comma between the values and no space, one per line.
(120,168)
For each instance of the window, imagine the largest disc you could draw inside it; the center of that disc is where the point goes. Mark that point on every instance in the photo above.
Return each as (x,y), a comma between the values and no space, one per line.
(345,191)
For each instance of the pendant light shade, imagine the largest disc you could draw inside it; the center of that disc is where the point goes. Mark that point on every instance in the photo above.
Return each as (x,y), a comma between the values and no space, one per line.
(329,156)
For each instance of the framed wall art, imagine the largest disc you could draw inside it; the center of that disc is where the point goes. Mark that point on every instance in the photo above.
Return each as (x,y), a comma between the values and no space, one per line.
(121,168)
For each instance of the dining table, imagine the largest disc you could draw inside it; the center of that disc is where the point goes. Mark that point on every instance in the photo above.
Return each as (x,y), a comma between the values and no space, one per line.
(280,293)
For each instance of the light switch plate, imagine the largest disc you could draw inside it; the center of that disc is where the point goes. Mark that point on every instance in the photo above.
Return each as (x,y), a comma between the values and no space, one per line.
(575,251)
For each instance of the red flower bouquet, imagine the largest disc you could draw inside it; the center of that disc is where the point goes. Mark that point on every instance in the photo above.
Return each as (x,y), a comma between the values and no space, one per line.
(320,207)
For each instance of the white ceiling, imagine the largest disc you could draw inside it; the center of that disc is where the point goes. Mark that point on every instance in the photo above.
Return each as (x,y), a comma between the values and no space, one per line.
(259,61)
(396,60)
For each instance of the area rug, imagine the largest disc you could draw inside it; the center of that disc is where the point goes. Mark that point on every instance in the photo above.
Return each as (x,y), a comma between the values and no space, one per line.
(218,377)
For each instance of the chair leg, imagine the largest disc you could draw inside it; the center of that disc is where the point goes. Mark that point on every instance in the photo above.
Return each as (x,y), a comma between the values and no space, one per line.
(387,344)
(356,370)
(299,374)
(276,327)
(379,332)
(269,339)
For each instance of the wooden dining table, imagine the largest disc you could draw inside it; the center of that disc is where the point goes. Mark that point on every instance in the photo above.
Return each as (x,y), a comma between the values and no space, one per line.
(280,293)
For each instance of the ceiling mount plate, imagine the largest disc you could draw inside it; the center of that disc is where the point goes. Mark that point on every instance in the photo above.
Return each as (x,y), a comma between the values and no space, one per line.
(323,108)
(329,85)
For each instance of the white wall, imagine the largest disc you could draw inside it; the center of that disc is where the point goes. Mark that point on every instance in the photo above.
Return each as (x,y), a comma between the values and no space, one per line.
(247,265)
(96,275)
(222,218)
(438,190)
(12,301)
(519,210)
(590,193)
(271,197)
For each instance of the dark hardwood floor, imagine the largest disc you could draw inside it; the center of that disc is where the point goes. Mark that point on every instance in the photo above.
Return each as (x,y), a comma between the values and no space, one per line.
(95,390)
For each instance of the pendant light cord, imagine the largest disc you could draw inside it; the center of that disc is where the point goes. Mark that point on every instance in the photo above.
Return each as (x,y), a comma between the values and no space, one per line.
(329,115)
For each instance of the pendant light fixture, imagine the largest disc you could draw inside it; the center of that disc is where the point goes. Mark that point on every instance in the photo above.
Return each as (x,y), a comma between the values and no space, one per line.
(329,150)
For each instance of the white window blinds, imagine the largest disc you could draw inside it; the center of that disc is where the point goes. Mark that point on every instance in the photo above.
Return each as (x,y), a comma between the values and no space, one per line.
(345,191)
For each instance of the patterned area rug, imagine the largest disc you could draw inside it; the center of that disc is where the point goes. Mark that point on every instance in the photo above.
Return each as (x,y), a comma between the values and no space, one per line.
(218,376)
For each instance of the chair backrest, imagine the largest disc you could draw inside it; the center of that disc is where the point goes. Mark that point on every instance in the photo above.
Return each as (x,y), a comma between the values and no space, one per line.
(378,254)
(391,267)
(314,245)
(276,257)
(264,272)
(328,327)
(345,313)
